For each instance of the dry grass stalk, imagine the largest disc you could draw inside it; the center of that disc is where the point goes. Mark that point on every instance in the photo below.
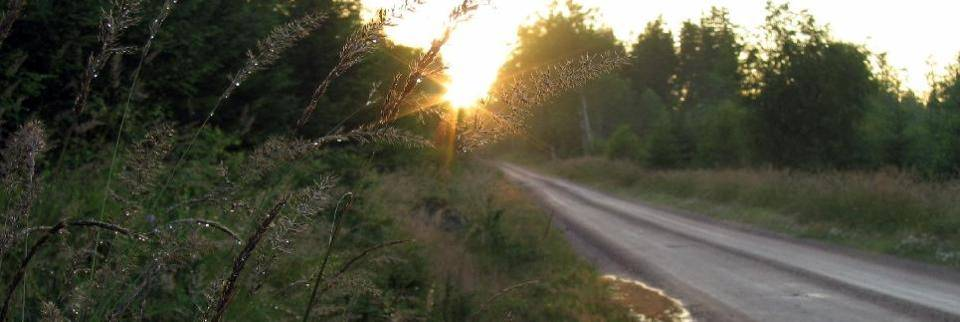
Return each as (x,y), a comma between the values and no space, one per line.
(229,289)
(267,53)
(165,10)
(208,224)
(19,171)
(9,16)
(428,65)
(145,164)
(516,98)
(270,49)
(383,135)
(122,15)
(492,299)
(346,202)
(328,282)
(538,87)
(50,313)
(278,151)
(360,44)
(50,232)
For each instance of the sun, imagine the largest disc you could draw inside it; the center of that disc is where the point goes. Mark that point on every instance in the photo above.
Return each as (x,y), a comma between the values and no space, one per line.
(473,57)
(462,98)
(470,71)
(477,48)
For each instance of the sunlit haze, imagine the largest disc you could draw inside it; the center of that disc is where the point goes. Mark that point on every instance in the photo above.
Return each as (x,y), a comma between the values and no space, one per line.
(912,33)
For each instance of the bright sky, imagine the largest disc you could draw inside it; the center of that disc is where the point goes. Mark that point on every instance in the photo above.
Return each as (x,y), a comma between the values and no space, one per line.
(913,33)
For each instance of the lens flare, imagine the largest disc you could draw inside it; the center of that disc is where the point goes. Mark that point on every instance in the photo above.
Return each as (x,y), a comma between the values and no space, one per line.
(473,58)
(477,48)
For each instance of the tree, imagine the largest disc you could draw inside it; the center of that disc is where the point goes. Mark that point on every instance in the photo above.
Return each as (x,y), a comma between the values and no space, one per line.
(946,91)
(709,61)
(661,141)
(813,93)
(198,45)
(935,140)
(654,61)
(890,110)
(557,36)
(723,138)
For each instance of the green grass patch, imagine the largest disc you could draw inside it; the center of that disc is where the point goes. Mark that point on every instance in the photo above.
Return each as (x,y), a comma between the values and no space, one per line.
(481,236)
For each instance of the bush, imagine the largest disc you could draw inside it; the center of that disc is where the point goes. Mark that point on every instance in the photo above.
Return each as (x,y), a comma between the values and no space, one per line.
(624,144)
(934,144)
(723,137)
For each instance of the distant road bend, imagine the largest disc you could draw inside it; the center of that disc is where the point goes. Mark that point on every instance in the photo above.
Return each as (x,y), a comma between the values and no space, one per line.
(724,273)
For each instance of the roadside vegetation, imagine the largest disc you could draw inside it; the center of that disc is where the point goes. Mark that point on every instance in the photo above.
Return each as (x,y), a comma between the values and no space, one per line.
(887,212)
(489,250)
(225,161)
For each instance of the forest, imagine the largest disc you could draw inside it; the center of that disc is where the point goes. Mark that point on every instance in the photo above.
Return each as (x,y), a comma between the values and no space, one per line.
(716,97)
(283,160)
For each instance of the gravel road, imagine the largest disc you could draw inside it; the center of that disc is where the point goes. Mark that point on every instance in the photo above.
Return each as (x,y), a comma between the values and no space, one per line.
(726,273)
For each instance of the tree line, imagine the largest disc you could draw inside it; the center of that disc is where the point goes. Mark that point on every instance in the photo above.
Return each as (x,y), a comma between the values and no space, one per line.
(192,60)
(710,97)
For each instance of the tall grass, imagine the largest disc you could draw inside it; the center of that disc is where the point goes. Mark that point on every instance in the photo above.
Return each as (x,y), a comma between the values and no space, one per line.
(174,233)
(117,19)
(490,259)
(145,204)
(899,211)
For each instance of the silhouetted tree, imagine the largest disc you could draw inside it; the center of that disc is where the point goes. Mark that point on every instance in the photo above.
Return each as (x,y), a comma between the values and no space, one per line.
(709,61)
(654,59)
(814,92)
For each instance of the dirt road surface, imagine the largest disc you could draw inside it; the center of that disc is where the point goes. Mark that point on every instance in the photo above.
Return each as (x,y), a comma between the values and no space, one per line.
(727,273)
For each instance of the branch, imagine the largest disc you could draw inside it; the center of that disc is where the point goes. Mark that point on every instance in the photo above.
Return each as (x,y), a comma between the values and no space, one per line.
(361,43)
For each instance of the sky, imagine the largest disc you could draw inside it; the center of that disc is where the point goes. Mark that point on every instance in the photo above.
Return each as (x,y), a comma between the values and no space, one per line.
(916,34)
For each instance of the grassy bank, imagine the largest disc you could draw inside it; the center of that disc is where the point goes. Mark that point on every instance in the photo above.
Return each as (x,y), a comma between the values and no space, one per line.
(477,249)
(886,212)
(489,251)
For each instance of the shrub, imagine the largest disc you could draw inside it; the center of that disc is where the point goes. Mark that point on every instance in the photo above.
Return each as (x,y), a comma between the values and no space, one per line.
(624,144)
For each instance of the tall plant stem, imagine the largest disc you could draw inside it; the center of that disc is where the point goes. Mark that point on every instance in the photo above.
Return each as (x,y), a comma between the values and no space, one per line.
(50,232)
(155,27)
(229,289)
(346,202)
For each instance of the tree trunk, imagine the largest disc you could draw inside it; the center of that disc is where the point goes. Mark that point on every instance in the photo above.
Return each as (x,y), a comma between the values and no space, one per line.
(585,125)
